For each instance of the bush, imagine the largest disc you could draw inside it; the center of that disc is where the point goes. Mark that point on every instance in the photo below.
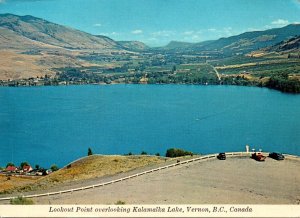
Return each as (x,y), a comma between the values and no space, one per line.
(90,152)
(10,164)
(24,164)
(21,201)
(120,202)
(54,168)
(144,153)
(157,154)
(175,152)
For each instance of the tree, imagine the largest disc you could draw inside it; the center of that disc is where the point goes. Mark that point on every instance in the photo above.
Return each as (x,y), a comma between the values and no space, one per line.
(54,167)
(10,164)
(175,152)
(24,164)
(173,68)
(90,152)
(37,166)
(144,153)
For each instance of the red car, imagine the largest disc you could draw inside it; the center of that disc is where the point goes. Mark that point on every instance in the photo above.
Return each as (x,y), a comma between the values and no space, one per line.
(258,156)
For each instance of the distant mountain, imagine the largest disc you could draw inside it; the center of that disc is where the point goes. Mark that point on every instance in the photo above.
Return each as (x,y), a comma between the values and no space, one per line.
(133,45)
(178,45)
(31,47)
(243,43)
(36,32)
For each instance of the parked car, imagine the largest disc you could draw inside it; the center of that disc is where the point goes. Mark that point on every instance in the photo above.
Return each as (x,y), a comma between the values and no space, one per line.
(258,156)
(276,156)
(221,156)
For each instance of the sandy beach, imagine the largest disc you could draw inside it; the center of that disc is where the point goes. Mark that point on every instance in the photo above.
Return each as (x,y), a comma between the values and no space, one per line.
(233,181)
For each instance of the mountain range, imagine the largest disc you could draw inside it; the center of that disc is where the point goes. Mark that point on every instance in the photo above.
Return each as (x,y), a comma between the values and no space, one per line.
(31,46)
(242,43)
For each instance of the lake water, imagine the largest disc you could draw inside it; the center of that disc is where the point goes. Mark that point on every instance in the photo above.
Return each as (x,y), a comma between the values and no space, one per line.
(47,125)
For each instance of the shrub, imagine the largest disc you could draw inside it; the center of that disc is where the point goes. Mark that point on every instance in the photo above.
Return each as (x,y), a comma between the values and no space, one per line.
(157,154)
(21,201)
(90,152)
(120,202)
(54,168)
(10,164)
(24,164)
(144,153)
(175,152)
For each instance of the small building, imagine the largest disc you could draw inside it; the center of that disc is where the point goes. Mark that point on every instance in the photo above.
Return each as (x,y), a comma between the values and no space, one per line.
(11,169)
(27,169)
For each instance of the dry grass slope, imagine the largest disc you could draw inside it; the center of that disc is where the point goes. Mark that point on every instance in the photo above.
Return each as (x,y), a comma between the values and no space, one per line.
(90,167)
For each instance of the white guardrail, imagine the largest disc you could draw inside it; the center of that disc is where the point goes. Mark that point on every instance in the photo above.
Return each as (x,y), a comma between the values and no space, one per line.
(205,157)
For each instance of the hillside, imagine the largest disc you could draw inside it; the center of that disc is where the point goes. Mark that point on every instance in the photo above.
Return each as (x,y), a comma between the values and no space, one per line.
(178,45)
(85,169)
(291,45)
(34,47)
(133,45)
(242,43)
(41,33)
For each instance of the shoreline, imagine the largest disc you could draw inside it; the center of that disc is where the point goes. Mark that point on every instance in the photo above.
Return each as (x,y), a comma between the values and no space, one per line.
(110,84)
(24,83)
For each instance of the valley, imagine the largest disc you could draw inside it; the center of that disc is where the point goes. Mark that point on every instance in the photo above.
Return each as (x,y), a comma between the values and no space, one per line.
(36,52)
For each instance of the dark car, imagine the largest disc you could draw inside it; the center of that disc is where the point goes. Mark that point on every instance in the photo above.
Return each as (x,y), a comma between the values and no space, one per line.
(276,156)
(221,156)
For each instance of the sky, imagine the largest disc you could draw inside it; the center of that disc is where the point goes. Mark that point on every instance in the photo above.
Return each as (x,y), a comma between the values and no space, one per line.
(157,22)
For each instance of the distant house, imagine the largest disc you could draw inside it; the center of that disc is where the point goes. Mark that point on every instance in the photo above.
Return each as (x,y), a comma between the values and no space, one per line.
(27,169)
(11,169)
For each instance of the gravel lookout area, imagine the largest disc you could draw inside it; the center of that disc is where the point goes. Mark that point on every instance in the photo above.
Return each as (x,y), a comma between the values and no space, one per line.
(236,180)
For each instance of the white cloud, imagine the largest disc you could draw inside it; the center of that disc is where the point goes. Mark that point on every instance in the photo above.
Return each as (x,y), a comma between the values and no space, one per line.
(187,33)
(2,1)
(280,22)
(163,33)
(95,25)
(110,34)
(212,30)
(137,31)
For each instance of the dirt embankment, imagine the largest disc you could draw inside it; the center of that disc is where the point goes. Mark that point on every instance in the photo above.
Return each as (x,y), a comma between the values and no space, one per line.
(88,168)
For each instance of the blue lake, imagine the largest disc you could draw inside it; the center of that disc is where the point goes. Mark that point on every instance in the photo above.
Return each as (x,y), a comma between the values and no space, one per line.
(47,125)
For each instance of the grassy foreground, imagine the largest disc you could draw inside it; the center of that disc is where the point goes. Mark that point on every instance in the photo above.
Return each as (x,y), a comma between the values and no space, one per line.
(86,168)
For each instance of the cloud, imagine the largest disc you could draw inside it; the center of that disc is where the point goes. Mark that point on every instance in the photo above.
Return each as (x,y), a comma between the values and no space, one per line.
(110,34)
(163,33)
(137,31)
(2,1)
(212,30)
(188,33)
(280,22)
(97,25)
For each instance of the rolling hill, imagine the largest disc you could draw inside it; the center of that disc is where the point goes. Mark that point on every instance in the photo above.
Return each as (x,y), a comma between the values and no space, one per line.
(290,45)
(133,45)
(31,47)
(34,47)
(41,33)
(243,43)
